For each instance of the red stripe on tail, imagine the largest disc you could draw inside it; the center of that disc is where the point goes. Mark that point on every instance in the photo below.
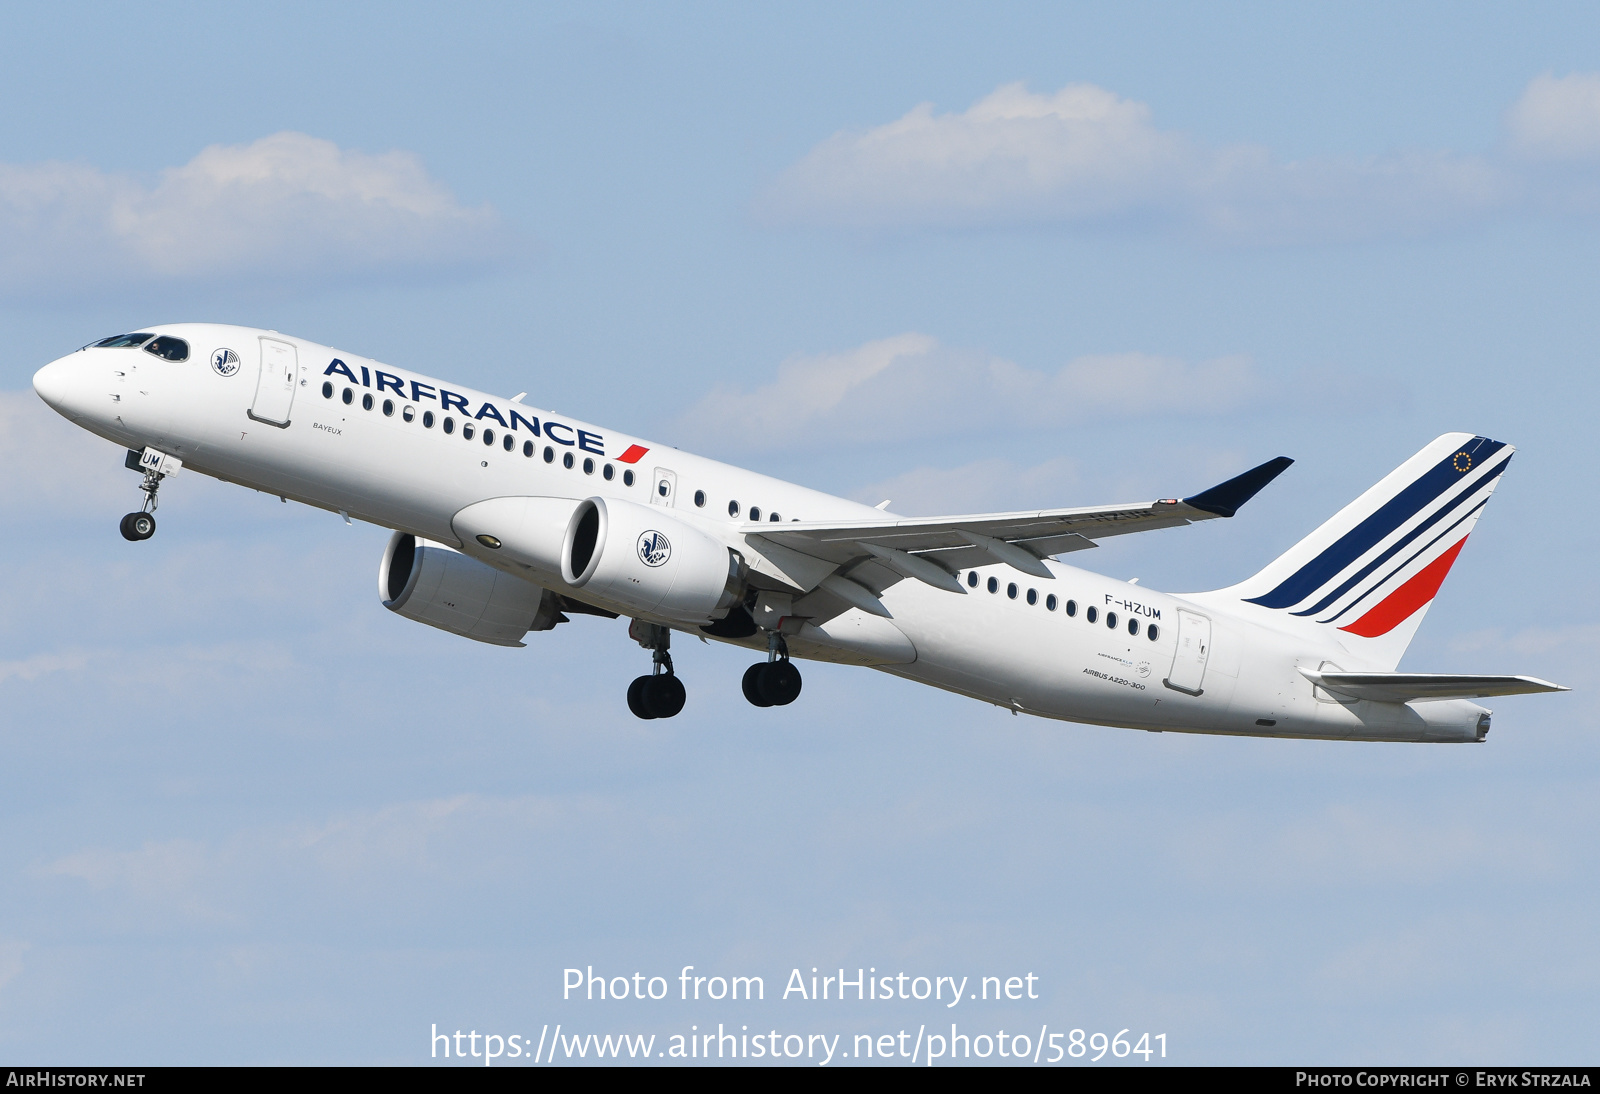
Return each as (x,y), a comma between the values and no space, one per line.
(1403,603)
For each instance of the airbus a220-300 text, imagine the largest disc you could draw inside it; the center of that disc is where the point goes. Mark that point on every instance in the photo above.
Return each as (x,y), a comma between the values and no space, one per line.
(508,518)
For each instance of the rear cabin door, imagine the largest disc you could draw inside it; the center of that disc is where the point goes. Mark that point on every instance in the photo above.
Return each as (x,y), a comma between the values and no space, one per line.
(664,488)
(1194,646)
(275,387)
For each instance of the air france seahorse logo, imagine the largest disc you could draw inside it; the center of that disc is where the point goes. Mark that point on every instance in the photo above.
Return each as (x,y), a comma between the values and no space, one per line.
(654,549)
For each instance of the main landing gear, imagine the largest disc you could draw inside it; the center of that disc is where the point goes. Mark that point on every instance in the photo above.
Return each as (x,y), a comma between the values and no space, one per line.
(661,694)
(774,682)
(156,466)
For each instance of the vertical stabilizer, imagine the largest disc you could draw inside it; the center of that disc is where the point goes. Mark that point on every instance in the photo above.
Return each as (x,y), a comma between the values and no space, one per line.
(1365,579)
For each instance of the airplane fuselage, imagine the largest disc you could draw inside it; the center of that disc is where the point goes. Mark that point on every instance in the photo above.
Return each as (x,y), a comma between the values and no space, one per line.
(410,452)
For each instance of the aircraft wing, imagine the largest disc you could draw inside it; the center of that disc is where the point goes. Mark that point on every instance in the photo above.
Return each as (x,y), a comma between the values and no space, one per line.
(1405,687)
(1019,539)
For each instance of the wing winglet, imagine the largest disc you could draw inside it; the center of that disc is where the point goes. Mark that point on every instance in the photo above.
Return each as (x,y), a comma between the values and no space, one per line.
(1225,498)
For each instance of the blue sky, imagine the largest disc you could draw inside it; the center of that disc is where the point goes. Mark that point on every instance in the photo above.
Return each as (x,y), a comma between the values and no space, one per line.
(250,816)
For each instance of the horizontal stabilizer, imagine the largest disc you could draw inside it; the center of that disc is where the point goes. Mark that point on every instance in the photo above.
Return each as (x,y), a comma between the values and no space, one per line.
(1406,687)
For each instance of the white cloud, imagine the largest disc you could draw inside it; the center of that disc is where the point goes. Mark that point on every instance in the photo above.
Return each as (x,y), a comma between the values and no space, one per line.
(172,875)
(285,206)
(1081,153)
(31,668)
(911,386)
(1557,118)
(1084,156)
(986,486)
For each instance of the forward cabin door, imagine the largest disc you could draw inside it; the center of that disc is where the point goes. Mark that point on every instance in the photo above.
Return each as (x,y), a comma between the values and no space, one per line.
(664,488)
(1194,646)
(280,370)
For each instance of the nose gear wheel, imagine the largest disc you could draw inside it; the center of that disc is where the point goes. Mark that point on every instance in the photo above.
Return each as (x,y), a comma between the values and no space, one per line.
(138,526)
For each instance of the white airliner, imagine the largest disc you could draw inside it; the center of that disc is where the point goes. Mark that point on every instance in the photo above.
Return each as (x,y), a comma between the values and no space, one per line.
(508,517)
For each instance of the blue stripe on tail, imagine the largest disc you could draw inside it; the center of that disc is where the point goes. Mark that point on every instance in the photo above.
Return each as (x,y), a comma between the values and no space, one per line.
(1470,514)
(1371,531)
(1400,544)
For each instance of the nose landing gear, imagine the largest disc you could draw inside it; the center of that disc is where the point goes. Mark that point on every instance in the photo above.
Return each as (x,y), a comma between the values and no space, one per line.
(156,466)
(661,694)
(774,682)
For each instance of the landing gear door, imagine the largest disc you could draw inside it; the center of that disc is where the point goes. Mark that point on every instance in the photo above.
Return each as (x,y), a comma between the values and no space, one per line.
(664,488)
(1194,646)
(275,388)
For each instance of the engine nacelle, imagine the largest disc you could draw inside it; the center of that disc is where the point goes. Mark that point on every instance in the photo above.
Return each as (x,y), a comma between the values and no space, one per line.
(444,588)
(645,558)
(527,530)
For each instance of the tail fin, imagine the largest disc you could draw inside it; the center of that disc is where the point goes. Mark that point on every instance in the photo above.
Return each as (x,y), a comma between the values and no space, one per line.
(1365,578)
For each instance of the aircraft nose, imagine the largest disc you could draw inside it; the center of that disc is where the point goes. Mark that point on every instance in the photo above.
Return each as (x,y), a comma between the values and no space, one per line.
(57,385)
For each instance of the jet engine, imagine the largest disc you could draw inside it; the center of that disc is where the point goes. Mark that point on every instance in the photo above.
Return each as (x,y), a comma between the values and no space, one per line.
(645,558)
(444,588)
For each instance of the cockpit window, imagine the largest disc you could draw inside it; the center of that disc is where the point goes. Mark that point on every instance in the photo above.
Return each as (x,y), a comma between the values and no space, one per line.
(122,340)
(168,348)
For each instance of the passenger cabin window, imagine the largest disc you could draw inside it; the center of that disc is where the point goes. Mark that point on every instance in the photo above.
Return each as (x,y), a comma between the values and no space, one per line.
(1072,608)
(1050,602)
(388,408)
(169,349)
(467,430)
(449,424)
(327,390)
(733,508)
(1133,627)
(509,443)
(1091,614)
(1152,632)
(1011,590)
(627,478)
(527,449)
(700,499)
(427,419)
(122,341)
(348,397)
(972,580)
(366,401)
(1111,620)
(773,518)
(1033,596)
(994,585)
(588,466)
(608,472)
(409,413)
(488,438)
(549,454)
(566,460)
